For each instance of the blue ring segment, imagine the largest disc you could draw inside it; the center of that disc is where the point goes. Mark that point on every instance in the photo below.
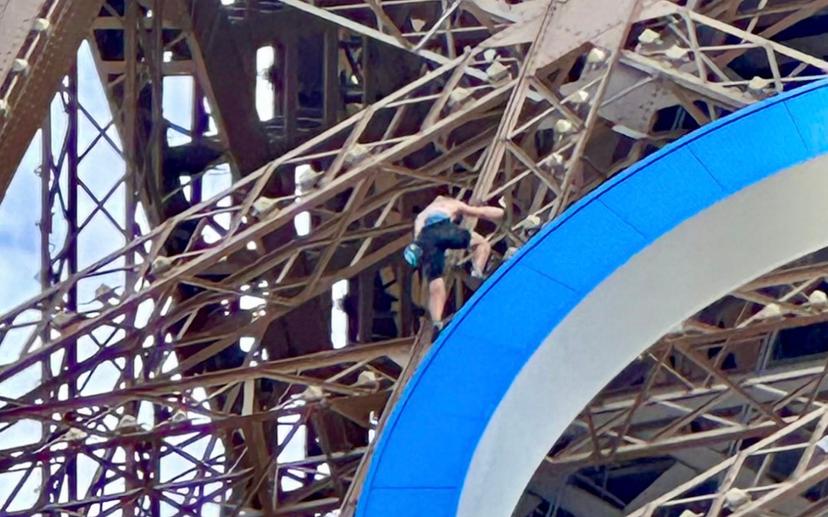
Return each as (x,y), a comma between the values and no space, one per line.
(423,455)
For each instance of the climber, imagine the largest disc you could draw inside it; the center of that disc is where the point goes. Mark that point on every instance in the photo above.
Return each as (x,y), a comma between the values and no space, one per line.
(436,231)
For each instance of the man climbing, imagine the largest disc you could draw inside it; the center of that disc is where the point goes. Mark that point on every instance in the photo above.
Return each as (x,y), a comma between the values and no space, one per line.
(435,231)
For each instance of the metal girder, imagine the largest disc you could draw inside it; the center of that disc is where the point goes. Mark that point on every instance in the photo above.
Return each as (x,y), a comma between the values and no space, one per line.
(417,352)
(46,56)
(797,440)
(215,59)
(17,20)
(286,371)
(434,31)
(709,384)
(89,434)
(512,106)
(729,395)
(705,373)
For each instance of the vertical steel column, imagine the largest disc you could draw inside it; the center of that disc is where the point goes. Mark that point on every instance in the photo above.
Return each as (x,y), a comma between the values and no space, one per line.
(368,82)
(45,227)
(153,53)
(291,88)
(330,77)
(405,318)
(132,184)
(65,264)
(129,122)
(153,48)
(72,244)
(199,126)
(46,167)
(365,305)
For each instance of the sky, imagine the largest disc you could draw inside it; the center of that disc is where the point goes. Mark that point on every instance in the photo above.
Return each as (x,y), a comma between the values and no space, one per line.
(101,169)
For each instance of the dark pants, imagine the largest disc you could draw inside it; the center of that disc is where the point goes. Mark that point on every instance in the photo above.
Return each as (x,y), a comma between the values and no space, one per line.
(435,239)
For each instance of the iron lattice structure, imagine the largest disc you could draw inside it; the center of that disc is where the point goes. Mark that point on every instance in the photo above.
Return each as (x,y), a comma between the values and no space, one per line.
(381,105)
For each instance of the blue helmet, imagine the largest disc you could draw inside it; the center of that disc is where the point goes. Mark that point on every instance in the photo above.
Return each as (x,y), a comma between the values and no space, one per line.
(412,254)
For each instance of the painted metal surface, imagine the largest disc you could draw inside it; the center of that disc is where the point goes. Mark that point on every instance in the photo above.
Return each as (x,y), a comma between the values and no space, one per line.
(421,463)
(16,21)
(49,58)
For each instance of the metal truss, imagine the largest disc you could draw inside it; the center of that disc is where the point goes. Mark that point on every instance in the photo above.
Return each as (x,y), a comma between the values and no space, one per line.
(506,103)
(710,382)
(98,432)
(798,442)
(39,41)
(708,389)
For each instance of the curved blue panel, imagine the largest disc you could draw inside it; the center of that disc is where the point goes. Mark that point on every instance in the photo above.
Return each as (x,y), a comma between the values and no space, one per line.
(422,457)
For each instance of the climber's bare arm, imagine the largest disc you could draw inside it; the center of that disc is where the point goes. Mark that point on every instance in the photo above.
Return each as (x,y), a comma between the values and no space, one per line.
(490,213)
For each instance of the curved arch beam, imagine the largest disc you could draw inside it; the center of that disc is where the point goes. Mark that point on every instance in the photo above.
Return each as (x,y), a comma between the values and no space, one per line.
(589,293)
